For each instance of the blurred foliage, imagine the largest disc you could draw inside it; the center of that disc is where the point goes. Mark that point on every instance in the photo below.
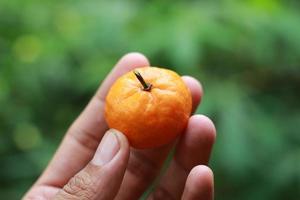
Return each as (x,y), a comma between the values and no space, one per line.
(54,54)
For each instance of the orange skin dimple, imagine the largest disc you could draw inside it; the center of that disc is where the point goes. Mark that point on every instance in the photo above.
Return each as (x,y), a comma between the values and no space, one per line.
(149,118)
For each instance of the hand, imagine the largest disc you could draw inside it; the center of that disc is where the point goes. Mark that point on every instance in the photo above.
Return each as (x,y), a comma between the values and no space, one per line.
(84,169)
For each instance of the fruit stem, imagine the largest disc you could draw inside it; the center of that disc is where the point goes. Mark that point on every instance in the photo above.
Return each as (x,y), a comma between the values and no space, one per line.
(146,86)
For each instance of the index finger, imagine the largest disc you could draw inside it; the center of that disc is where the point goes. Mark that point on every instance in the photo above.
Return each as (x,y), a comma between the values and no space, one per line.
(84,135)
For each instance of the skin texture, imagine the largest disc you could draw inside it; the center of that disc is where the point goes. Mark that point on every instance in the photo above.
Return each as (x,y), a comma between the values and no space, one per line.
(72,173)
(151,118)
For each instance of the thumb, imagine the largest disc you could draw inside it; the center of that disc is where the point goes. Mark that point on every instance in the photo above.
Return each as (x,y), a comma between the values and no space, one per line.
(103,175)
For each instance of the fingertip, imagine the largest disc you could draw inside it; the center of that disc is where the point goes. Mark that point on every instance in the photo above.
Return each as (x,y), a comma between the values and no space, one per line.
(195,88)
(202,174)
(199,137)
(191,80)
(200,183)
(133,60)
(127,63)
(122,139)
(205,124)
(123,154)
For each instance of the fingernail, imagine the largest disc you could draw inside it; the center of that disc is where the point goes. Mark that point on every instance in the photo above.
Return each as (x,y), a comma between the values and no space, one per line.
(108,148)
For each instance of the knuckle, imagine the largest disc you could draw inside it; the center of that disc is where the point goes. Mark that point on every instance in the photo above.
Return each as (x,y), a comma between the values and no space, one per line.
(83,137)
(80,187)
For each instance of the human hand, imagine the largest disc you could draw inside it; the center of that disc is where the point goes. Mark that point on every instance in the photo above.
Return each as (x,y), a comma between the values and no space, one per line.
(84,169)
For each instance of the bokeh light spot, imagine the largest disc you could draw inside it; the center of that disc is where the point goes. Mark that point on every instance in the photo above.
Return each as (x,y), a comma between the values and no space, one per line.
(27,48)
(27,136)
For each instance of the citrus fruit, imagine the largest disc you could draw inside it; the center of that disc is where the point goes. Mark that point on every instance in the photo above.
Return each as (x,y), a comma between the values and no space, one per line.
(150,105)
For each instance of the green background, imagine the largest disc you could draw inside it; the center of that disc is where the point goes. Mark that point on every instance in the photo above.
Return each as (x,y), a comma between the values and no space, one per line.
(54,54)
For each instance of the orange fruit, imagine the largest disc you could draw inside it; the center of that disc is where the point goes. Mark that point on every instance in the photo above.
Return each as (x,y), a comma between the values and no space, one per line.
(150,105)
